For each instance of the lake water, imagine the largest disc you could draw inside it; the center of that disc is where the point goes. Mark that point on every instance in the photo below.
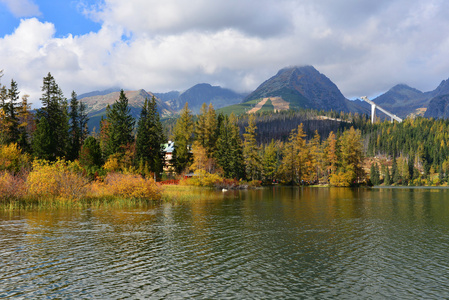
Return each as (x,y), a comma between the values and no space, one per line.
(273,243)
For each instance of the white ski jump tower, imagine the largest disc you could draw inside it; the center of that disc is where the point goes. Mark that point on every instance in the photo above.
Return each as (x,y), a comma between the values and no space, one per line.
(373,111)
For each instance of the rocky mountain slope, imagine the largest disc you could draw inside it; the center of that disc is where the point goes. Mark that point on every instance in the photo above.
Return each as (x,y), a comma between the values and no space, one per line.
(403,100)
(304,87)
(199,94)
(96,105)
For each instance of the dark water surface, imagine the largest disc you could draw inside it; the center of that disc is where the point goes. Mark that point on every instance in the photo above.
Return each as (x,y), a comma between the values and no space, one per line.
(274,243)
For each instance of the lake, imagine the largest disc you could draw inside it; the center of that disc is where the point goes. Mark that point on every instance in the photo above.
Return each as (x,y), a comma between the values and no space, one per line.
(271,243)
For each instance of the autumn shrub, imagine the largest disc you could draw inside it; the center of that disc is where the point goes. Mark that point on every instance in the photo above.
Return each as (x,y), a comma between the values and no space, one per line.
(12,159)
(129,186)
(12,187)
(203,178)
(227,184)
(254,183)
(56,180)
(341,178)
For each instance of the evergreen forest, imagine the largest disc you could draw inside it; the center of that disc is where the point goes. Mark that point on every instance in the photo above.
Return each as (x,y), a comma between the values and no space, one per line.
(301,147)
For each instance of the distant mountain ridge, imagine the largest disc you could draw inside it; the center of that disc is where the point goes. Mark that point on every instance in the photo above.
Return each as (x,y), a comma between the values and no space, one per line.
(199,94)
(290,88)
(96,105)
(404,100)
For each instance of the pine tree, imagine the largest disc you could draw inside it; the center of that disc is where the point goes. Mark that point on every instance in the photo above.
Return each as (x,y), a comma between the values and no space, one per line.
(229,150)
(395,172)
(90,153)
(83,120)
(211,131)
(42,140)
(182,135)
(149,137)
(387,179)
(55,111)
(223,153)
(26,126)
(374,174)
(200,126)
(237,160)
(121,126)
(206,129)
(11,109)
(251,150)
(75,129)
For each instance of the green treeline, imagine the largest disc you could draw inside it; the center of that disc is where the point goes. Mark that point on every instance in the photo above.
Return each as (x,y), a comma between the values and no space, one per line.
(292,147)
(418,150)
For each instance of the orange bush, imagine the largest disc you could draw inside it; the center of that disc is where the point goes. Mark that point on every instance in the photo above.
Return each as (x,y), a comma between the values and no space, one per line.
(11,187)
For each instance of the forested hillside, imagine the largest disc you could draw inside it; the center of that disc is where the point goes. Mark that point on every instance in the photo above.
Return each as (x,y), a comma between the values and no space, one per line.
(295,147)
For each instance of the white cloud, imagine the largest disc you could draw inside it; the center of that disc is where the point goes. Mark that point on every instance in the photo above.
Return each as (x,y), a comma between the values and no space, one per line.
(22,8)
(365,47)
(255,17)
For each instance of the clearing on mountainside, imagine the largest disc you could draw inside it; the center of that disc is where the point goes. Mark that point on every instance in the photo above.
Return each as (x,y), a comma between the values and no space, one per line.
(277,102)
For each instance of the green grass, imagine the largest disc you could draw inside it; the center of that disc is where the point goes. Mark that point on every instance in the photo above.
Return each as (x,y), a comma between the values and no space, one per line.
(267,107)
(182,193)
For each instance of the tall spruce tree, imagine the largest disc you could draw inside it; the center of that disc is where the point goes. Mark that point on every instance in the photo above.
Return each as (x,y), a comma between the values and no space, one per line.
(11,111)
(90,153)
(75,130)
(206,129)
(26,120)
(149,137)
(55,112)
(375,174)
(237,161)
(121,126)
(387,179)
(182,136)
(229,150)
(396,177)
(78,126)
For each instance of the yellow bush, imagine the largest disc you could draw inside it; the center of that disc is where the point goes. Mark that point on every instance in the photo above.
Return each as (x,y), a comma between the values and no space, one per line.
(112,164)
(55,180)
(131,186)
(341,178)
(203,178)
(12,159)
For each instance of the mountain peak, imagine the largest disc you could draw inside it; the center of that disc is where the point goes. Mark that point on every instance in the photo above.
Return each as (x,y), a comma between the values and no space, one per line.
(442,89)
(303,87)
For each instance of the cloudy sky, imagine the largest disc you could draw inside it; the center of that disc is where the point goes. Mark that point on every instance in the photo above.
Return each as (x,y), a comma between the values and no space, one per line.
(363,46)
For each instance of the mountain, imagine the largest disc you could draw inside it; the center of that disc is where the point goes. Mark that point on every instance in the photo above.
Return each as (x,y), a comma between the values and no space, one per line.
(206,93)
(96,105)
(98,93)
(441,90)
(304,87)
(402,100)
(169,98)
(438,107)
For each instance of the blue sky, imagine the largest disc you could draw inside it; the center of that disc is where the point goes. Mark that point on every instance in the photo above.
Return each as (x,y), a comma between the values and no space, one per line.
(364,46)
(67,16)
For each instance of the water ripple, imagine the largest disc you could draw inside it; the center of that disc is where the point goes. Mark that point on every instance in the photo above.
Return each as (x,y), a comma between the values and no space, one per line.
(354,246)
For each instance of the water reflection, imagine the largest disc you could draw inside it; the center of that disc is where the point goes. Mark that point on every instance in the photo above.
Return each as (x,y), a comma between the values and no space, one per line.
(268,243)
